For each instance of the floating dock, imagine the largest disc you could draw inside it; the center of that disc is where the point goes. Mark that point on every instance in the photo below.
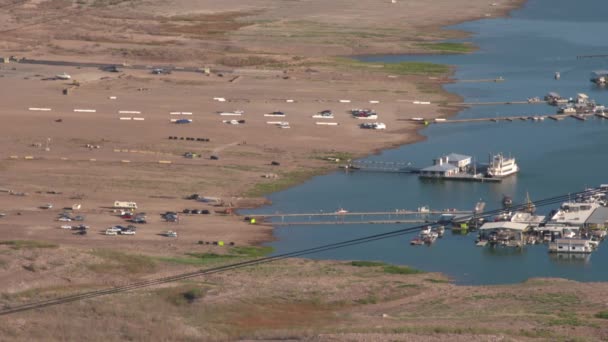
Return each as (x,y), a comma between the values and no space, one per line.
(464,177)
(540,117)
(399,212)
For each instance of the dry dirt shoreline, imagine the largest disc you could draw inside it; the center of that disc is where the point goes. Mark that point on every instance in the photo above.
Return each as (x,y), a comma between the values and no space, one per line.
(273,51)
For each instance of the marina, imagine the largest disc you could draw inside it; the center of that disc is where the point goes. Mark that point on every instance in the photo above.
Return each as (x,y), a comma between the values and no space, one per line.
(554,158)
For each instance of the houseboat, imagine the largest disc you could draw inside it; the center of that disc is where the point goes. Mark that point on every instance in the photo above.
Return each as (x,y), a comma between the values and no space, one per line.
(599,77)
(501,166)
(571,246)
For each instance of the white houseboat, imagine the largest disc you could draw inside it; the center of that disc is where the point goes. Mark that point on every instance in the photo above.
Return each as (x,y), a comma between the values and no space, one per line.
(571,246)
(501,166)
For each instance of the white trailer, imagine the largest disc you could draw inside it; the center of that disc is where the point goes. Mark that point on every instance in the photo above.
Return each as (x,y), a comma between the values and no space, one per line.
(125,205)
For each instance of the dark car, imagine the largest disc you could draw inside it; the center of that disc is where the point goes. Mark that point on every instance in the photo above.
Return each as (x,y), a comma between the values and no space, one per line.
(214,158)
(161,71)
(139,220)
(204,212)
(186,211)
(111,68)
(197,211)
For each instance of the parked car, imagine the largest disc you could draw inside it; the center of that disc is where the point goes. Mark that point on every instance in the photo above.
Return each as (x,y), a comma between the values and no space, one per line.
(186,211)
(170,233)
(205,212)
(64,219)
(79,218)
(196,211)
(127,232)
(46,206)
(110,232)
(139,220)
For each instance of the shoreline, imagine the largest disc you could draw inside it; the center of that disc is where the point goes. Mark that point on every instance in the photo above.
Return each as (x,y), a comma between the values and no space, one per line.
(446,96)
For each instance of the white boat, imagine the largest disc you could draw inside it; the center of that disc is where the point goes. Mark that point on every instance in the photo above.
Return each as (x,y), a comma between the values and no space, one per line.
(323,116)
(500,166)
(341,211)
(424,209)
(379,125)
(368,117)
(63,76)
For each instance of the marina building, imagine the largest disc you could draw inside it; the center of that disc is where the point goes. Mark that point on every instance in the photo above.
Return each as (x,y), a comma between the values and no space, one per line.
(598,219)
(574,214)
(446,166)
(503,233)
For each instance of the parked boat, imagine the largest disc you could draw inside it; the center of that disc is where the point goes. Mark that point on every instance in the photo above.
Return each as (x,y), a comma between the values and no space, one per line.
(507,201)
(571,246)
(416,241)
(501,166)
(439,231)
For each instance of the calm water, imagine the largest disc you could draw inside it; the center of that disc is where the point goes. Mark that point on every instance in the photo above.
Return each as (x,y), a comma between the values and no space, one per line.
(555,157)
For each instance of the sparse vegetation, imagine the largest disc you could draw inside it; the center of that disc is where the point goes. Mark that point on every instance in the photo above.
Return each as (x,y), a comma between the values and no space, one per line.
(401,68)
(235,253)
(602,314)
(252,251)
(367,263)
(284,181)
(386,268)
(448,47)
(566,318)
(122,263)
(237,61)
(393,269)
(181,295)
(437,281)
(28,244)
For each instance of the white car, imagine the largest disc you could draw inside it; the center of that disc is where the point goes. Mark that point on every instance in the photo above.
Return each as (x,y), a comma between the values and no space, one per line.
(127,232)
(66,227)
(170,233)
(110,232)
(64,219)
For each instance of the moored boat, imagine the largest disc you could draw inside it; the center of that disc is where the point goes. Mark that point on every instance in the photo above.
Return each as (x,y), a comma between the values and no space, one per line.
(501,166)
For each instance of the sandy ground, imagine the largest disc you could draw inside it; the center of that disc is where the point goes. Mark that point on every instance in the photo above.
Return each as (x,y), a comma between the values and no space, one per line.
(268,51)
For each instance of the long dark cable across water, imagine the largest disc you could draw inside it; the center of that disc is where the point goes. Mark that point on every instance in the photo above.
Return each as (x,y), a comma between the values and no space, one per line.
(264,260)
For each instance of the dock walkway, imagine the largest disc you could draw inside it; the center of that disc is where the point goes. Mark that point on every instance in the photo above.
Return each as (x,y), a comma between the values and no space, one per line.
(539,117)
(397,212)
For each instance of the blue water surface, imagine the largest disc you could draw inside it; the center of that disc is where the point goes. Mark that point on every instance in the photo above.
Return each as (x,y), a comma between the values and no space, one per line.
(526,49)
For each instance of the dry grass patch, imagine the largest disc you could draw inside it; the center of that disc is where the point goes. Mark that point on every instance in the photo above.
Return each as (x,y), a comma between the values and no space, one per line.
(116,262)
(28,244)
(204,25)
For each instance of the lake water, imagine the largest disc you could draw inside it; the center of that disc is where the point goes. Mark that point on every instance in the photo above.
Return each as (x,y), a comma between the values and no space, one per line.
(555,157)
